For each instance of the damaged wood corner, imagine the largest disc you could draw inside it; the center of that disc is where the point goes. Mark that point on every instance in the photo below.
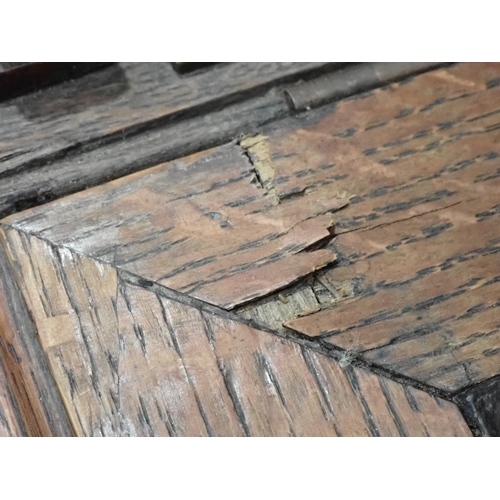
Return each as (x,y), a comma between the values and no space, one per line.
(261,246)
(258,151)
(311,292)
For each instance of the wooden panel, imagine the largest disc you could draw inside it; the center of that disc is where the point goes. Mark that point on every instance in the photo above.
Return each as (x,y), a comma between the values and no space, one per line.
(30,404)
(130,362)
(202,225)
(418,162)
(123,98)
(416,285)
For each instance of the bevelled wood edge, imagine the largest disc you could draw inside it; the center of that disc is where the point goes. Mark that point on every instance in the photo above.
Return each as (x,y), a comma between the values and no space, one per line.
(107,108)
(350,81)
(39,410)
(480,405)
(40,184)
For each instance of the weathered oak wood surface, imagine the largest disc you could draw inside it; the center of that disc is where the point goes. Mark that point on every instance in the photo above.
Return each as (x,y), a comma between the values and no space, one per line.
(131,363)
(11,423)
(249,289)
(30,181)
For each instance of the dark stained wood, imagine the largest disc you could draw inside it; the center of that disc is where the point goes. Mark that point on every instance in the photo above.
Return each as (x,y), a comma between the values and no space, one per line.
(19,78)
(9,66)
(188,67)
(416,285)
(129,362)
(481,404)
(123,99)
(30,404)
(83,169)
(202,225)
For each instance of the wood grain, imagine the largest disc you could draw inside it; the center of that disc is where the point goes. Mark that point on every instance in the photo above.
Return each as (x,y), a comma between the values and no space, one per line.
(416,285)
(398,151)
(11,422)
(427,302)
(249,225)
(123,99)
(30,404)
(202,225)
(129,362)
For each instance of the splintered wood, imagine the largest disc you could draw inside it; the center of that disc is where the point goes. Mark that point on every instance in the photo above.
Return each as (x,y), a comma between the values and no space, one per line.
(131,363)
(418,244)
(202,225)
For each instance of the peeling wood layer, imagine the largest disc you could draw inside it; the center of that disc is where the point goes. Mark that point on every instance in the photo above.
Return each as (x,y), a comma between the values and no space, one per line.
(417,245)
(131,363)
(201,225)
